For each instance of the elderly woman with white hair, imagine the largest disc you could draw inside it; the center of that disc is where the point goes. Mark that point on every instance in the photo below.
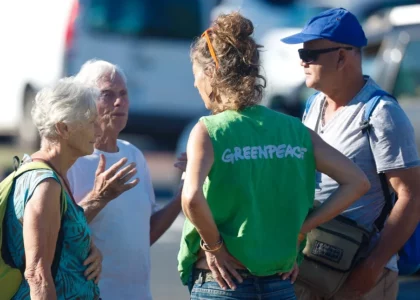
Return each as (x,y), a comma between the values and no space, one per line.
(65,115)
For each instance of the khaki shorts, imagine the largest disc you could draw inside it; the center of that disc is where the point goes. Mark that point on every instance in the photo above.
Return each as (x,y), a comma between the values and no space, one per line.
(385,289)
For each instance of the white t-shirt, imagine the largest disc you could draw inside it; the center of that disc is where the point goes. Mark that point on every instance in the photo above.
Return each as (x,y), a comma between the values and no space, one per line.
(121,230)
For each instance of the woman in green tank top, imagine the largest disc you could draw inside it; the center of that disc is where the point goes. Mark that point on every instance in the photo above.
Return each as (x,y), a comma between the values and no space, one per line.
(250,177)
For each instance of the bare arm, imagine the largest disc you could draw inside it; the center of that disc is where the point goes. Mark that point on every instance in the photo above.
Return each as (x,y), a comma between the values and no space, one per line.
(353,183)
(194,204)
(92,204)
(403,219)
(163,219)
(40,232)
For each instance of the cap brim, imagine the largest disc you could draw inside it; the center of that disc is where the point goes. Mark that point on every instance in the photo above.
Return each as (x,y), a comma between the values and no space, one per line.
(300,38)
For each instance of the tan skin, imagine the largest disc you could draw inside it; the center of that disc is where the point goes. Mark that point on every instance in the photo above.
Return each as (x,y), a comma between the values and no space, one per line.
(113,105)
(339,76)
(42,216)
(353,184)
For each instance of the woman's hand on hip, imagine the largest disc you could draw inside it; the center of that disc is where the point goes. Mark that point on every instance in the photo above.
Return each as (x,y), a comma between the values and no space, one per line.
(292,274)
(94,263)
(222,265)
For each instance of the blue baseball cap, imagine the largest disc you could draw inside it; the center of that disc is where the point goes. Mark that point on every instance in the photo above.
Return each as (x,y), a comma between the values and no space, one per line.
(336,24)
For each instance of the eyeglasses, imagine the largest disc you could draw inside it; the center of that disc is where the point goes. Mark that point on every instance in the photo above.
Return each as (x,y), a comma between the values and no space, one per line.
(309,56)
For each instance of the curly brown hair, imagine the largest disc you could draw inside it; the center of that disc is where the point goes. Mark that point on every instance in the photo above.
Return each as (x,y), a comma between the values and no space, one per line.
(238,55)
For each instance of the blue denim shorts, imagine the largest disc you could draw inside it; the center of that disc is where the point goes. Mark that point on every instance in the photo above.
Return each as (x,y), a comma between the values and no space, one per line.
(202,286)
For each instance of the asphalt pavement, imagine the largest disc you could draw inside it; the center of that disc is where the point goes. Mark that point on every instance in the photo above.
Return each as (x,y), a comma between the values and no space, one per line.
(166,284)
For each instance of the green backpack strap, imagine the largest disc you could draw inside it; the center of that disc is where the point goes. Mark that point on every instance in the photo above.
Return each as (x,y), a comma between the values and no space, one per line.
(38,165)
(60,238)
(10,276)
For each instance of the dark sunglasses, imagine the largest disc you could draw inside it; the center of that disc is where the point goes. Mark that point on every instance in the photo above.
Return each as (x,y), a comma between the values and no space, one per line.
(309,56)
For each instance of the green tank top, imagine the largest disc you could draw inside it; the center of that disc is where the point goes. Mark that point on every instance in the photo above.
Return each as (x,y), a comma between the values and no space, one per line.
(260,189)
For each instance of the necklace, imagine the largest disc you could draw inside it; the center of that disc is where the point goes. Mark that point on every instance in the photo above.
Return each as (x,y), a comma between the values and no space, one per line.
(324,108)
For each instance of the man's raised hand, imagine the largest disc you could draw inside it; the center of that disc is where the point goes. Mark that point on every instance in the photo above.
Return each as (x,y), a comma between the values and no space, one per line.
(111,183)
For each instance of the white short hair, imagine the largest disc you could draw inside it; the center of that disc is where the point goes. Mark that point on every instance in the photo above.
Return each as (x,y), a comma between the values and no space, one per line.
(67,101)
(94,70)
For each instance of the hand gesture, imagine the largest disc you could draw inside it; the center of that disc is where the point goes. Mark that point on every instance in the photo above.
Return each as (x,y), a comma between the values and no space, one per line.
(113,182)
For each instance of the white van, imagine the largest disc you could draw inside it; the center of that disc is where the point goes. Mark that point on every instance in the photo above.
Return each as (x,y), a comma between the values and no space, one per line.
(34,36)
(150,40)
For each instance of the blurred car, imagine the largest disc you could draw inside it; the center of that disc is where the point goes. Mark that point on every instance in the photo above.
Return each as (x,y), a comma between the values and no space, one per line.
(397,66)
(269,14)
(35,38)
(362,9)
(149,39)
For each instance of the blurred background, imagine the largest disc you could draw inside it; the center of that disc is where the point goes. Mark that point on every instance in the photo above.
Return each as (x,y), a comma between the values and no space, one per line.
(44,40)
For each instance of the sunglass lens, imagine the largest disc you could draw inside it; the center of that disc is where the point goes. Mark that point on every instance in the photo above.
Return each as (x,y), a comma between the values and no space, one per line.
(307,56)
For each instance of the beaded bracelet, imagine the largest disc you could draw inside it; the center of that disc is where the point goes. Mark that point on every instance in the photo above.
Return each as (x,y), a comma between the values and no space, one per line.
(206,247)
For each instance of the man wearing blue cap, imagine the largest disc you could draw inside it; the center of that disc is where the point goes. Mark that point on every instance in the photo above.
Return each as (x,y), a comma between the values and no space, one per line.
(331,59)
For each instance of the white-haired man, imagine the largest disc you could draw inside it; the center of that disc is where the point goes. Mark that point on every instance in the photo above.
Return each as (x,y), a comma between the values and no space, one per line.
(121,210)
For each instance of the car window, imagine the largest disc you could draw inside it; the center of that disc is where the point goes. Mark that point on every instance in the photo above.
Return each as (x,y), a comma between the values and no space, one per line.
(407,84)
(369,56)
(147,18)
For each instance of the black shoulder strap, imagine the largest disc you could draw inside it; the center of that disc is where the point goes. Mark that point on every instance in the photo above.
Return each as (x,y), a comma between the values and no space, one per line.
(60,243)
(380,221)
(366,127)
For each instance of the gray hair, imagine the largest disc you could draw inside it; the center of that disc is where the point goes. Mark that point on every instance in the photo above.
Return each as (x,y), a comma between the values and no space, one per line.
(94,70)
(66,101)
